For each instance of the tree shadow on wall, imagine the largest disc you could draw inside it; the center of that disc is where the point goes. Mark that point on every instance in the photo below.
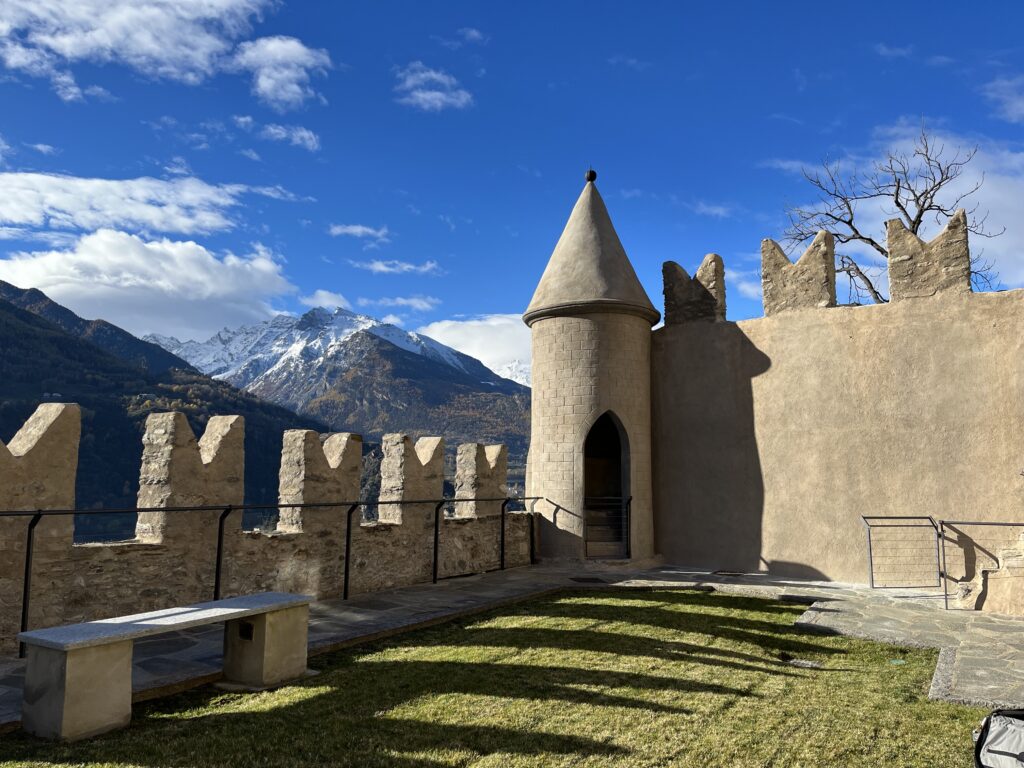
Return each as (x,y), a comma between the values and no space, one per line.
(709,489)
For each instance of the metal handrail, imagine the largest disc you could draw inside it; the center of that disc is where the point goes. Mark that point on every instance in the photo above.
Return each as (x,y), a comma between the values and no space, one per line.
(38,514)
(943,524)
(940,562)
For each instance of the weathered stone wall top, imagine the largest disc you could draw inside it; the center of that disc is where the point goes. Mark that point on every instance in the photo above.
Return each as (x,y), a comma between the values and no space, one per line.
(173,560)
(38,466)
(810,282)
(701,297)
(918,269)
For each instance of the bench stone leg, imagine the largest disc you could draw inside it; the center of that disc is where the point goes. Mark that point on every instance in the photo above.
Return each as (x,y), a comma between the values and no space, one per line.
(78,693)
(266,649)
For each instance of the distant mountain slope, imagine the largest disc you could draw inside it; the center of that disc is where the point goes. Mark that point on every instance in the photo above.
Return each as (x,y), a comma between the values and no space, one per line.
(40,361)
(108,337)
(357,373)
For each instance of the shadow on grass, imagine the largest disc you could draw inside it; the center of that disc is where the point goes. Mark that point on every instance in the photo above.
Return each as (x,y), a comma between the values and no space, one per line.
(380,705)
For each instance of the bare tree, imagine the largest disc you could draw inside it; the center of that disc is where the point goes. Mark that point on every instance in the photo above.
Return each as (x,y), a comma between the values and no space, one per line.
(916,187)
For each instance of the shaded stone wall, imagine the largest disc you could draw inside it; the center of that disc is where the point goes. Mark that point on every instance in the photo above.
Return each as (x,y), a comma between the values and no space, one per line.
(773,436)
(172,559)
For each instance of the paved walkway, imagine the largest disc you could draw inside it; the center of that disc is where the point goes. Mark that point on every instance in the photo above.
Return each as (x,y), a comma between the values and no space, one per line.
(981,659)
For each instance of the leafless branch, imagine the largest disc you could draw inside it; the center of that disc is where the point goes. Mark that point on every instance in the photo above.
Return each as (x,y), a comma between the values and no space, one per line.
(914,186)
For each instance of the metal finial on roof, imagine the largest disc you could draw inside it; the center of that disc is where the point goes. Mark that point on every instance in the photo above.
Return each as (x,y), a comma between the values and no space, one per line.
(591,175)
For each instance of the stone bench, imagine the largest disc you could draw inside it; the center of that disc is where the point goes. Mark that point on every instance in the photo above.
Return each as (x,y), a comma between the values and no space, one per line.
(78,678)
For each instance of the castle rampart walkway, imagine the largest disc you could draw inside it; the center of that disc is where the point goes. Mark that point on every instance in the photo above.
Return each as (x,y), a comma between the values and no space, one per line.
(981,659)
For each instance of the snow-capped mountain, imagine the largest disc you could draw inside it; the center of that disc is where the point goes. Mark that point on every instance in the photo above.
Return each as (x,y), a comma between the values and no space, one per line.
(517,370)
(247,354)
(354,372)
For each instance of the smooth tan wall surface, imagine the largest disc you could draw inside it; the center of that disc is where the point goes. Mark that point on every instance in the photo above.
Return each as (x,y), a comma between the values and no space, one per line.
(772,436)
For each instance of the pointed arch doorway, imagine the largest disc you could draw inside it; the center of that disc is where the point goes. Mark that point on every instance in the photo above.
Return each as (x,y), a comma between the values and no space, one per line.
(606,489)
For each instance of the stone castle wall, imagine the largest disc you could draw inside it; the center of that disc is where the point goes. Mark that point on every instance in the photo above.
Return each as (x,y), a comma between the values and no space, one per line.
(172,560)
(583,366)
(773,436)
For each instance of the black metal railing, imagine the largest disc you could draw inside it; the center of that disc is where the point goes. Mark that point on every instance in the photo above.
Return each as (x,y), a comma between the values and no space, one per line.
(36,516)
(874,523)
(606,521)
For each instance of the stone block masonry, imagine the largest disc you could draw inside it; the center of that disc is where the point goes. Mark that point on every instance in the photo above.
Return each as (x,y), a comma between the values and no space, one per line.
(172,560)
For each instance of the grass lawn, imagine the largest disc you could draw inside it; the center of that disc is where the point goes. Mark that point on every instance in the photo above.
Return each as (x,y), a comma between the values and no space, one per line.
(608,678)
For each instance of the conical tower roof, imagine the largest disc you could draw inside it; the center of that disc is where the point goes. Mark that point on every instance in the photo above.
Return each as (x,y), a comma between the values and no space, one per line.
(589,269)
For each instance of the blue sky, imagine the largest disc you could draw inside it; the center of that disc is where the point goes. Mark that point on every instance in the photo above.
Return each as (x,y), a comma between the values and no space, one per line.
(181,166)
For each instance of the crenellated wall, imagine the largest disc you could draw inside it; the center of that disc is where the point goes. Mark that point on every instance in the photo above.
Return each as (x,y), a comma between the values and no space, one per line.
(172,560)
(773,436)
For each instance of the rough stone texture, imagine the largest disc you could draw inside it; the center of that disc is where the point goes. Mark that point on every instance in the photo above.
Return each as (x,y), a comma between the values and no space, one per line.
(810,282)
(918,269)
(37,471)
(305,555)
(480,472)
(694,298)
(584,366)
(315,472)
(179,471)
(774,435)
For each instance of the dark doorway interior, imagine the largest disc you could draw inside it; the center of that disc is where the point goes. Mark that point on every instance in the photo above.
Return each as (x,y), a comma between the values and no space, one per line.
(606,489)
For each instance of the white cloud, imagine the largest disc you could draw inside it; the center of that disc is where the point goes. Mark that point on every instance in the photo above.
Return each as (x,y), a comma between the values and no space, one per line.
(702,208)
(430,90)
(374,237)
(499,341)
(1008,95)
(893,52)
(1000,165)
(295,135)
(178,166)
(393,319)
(43,149)
(417,303)
(184,204)
(245,122)
(326,299)
(395,267)
(465,35)
(746,282)
(184,41)
(281,68)
(5,149)
(252,154)
(165,286)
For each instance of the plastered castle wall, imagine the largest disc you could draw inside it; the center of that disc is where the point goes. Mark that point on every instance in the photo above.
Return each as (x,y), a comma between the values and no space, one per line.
(773,436)
(172,560)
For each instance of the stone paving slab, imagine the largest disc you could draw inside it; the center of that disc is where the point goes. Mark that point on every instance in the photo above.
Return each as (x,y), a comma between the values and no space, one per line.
(981,659)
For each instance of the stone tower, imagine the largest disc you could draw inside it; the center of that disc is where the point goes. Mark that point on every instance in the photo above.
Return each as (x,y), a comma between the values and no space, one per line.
(590,442)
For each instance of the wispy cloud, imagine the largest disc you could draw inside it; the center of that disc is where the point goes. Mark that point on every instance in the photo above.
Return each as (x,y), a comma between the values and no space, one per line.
(43,149)
(463,36)
(782,117)
(5,150)
(893,51)
(184,204)
(1007,93)
(702,208)
(417,303)
(395,267)
(374,236)
(430,90)
(295,135)
(746,282)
